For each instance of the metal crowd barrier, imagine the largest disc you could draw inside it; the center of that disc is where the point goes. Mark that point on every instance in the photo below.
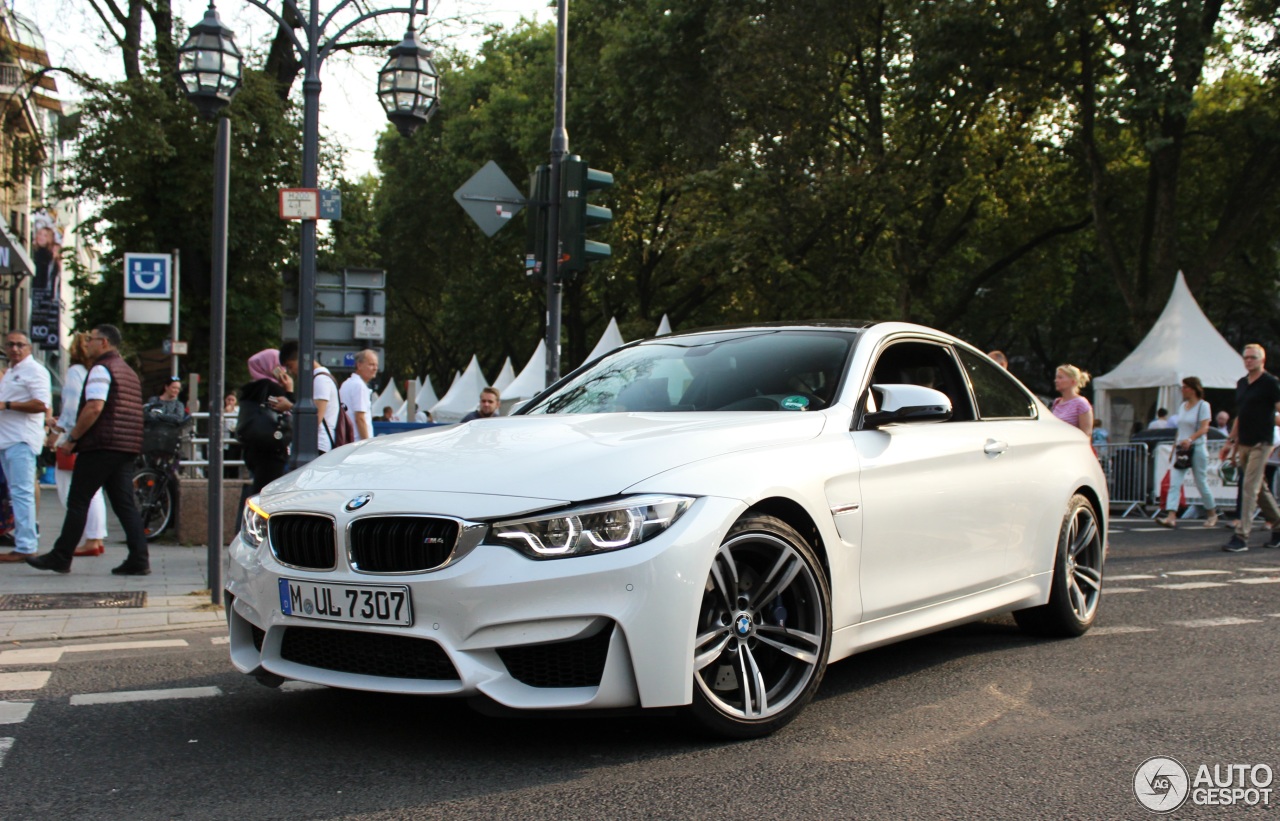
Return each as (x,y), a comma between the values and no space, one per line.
(195,459)
(1128,471)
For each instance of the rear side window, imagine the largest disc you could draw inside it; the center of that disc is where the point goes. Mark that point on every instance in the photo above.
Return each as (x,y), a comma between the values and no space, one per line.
(999,395)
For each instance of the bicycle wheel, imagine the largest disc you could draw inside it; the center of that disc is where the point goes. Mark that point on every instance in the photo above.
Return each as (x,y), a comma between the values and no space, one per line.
(153,493)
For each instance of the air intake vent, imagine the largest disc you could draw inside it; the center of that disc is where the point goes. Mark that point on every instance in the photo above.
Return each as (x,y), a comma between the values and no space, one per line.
(577,663)
(303,541)
(367,654)
(401,544)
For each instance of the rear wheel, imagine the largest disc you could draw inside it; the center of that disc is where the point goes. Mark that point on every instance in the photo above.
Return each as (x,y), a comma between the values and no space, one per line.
(153,493)
(763,633)
(1076,589)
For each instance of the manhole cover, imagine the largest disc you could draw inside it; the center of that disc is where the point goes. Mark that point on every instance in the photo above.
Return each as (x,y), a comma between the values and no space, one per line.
(70,601)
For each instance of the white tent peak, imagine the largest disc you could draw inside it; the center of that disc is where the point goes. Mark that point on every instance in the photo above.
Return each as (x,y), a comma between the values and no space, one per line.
(505,376)
(531,381)
(389,398)
(664,327)
(610,339)
(463,395)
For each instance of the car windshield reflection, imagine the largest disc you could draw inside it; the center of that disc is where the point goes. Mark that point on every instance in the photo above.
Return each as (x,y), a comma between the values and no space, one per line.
(759,370)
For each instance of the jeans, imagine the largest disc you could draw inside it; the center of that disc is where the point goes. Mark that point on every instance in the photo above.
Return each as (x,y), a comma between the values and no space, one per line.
(1253,494)
(1200,470)
(112,472)
(19,462)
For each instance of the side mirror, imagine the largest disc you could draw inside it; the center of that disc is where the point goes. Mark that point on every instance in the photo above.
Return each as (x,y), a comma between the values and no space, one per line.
(899,404)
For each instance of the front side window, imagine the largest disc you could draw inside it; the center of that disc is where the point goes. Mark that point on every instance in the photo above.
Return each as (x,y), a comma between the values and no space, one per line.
(998,394)
(928,364)
(748,370)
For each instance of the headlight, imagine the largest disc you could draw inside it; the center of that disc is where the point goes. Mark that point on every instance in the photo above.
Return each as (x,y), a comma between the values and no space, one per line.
(591,529)
(253,523)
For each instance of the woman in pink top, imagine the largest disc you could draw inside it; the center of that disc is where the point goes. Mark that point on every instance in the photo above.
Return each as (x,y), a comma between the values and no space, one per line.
(1070,406)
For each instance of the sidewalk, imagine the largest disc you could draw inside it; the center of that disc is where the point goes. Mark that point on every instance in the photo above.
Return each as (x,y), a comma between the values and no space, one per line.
(176,594)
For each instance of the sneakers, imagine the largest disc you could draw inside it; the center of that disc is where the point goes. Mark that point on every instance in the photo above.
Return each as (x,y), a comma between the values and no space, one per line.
(1235,545)
(1275,540)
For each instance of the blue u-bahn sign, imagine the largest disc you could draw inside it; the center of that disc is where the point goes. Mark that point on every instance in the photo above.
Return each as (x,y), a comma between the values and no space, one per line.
(148,276)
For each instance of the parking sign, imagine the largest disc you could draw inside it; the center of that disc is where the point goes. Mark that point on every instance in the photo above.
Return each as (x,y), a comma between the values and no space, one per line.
(148,276)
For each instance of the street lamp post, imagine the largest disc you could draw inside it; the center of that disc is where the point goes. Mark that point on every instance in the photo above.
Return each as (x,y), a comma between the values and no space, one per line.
(209,70)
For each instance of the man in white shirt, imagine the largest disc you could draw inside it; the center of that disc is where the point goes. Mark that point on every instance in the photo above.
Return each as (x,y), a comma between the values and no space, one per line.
(25,396)
(355,394)
(324,392)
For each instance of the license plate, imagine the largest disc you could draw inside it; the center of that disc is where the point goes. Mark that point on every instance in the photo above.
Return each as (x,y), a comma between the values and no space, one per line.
(355,603)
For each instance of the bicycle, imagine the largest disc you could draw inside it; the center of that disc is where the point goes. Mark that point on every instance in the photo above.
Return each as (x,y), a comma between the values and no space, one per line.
(155,483)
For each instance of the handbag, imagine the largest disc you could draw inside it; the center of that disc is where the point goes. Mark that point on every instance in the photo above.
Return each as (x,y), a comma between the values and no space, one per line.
(1182,457)
(64,460)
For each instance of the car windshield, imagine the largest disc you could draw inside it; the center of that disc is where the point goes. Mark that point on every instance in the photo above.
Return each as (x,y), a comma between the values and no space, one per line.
(749,370)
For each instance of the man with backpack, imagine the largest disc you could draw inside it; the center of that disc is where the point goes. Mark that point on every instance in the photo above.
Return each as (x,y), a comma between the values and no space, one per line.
(335,428)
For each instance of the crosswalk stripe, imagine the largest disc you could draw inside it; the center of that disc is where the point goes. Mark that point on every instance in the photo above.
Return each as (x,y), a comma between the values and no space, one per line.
(220,640)
(1221,621)
(1258,580)
(30,680)
(1191,585)
(1133,577)
(15,712)
(1148,529)
(144,695)
(1199,573)
(1114,590)
(49,655)
(1119,630)
(6,744)
(301,686)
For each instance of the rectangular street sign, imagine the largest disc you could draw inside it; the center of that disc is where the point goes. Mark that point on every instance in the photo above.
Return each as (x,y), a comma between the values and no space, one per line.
(299,203)
(330,204)
(147,311)
(370,327)
(148,276)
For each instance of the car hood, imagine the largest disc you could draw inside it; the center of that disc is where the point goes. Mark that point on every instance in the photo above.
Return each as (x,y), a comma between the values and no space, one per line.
(566,458)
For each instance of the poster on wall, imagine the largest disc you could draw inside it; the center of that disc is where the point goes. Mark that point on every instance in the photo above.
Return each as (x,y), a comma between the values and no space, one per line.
(46,284)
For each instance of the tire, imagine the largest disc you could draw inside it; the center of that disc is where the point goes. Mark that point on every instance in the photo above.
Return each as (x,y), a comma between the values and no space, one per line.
(777,640)
(153,493)
(1076,589)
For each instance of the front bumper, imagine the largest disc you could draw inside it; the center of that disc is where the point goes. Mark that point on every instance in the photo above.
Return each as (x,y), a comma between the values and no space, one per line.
(602,631)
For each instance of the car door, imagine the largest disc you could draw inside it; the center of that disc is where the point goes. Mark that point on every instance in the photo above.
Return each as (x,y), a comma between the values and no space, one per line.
(934,497)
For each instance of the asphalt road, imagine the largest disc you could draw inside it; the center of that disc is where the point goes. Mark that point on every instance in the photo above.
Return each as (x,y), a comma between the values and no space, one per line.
(975,722)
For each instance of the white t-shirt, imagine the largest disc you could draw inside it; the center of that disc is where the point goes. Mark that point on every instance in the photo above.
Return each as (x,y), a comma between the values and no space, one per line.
(24,381)
(358,398)
(98,385)
(72,386)
(326,388)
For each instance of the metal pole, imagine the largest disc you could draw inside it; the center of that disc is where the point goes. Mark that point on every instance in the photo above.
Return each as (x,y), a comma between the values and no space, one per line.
(559,148)
(218,352)
(304,409)
(173,319)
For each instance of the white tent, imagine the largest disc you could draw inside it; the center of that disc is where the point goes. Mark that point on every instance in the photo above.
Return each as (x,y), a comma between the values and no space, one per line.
(462,397)
(1182,343)
(505,376)
(610,339)
(412,388)
(389,398)
(664,327)
(531,381)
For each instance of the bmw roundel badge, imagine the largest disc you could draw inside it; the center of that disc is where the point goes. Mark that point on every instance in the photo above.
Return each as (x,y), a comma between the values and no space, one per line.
(360,501)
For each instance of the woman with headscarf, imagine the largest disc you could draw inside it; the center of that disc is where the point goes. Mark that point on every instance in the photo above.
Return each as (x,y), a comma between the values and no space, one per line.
(267,460)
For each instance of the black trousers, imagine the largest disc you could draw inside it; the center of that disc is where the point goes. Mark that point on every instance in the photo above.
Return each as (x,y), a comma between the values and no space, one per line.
(111,471)
(264,468)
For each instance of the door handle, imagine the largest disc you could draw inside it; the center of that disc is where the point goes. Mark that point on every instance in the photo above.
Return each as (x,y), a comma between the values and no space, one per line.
(994,448)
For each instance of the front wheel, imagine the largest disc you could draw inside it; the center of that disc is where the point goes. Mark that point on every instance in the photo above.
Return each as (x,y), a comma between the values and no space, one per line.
(763,633)
(153,493)
(1076,589)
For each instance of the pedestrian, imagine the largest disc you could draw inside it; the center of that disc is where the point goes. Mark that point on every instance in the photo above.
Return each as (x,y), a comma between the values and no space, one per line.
(167,408)
(324,390)
(1223,423)
(1162,421)
(1070,406)
(1000,359)
(1250,443)
(95,525)
(1191,446)
(106,439)
(263,426)
(490,401)
(1100,435)
(26,392)
(355,394)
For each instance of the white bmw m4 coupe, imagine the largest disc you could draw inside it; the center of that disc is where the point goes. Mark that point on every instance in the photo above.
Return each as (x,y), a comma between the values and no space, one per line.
(701,521)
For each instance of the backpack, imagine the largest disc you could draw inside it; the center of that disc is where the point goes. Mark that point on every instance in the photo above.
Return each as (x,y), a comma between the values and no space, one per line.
(260,428)
(343,433)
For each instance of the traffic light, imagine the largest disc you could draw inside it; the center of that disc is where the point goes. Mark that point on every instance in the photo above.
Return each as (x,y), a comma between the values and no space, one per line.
(536,221)
(577,216)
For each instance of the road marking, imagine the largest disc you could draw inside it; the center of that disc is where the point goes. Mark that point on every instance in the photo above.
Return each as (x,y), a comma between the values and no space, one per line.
(1119,630)
(1191,585)
(1149,530)
(1222,621)
(300,686)
(49,655)
(1130,578)
(220,640)
(144,695)
(1258,580)
(1106,589)
(1199,573)
(1258,569)
(6,744)
(15,712)
(32,680)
